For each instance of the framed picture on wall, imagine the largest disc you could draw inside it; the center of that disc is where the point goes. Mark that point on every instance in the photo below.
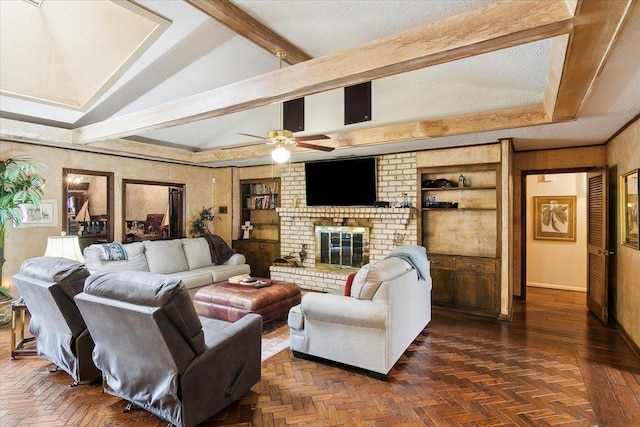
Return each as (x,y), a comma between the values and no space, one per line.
(45,215)
(629,209)
(555,218)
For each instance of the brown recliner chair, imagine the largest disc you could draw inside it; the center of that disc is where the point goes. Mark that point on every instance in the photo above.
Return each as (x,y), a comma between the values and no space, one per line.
(48,285)
(156,353)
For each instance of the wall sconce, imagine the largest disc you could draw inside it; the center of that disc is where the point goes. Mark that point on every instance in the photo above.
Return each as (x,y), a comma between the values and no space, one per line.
(64,246)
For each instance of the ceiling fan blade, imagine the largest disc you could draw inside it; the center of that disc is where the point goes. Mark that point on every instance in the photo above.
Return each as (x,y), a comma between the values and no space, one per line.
(314,146)
(311,137)
(253,136)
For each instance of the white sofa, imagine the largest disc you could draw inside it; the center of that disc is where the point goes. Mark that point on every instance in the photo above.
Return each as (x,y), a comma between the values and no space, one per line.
(187,259)
(386,310)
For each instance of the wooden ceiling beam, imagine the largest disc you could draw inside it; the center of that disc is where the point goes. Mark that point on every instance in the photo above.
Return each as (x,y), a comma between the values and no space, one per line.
(497,26)
(597,25)
(250,28)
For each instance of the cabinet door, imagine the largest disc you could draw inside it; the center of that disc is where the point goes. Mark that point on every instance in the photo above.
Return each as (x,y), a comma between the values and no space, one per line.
(442,290)
(476,289)
(264,255)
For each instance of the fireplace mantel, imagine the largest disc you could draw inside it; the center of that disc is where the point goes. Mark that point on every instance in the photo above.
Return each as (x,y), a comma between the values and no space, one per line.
(401,215)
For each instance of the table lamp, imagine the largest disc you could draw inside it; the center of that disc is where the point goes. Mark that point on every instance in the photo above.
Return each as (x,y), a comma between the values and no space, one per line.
(64,246)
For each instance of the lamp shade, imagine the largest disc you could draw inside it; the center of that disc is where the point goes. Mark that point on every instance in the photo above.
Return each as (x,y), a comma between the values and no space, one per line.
(64,247)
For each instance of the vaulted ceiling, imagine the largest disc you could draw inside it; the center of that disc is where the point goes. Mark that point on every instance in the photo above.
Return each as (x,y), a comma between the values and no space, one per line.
(179,80)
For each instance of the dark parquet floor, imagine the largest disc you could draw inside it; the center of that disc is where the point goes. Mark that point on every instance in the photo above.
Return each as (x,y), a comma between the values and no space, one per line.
(554,364)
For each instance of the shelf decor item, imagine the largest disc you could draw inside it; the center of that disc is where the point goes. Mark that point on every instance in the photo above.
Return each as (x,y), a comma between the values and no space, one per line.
(629,189)
(555,218)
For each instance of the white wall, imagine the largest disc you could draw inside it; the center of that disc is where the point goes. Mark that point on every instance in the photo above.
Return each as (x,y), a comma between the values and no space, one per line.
(558,264)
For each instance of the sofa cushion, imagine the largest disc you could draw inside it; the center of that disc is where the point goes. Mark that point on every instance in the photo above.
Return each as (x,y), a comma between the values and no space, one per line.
(135,261)
(197,252)
(165,256)
(193,278)
(370,276)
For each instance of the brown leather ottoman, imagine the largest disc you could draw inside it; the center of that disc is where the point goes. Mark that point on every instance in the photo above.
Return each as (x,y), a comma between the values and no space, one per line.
(230,302)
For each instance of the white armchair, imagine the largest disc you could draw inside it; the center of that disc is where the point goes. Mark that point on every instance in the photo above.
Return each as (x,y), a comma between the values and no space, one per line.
(387,307)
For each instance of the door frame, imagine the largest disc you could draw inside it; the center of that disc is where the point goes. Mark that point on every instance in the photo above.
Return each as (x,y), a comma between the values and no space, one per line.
(524,214)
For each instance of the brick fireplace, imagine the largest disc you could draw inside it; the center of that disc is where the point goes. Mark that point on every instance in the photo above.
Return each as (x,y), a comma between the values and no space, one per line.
(387,227)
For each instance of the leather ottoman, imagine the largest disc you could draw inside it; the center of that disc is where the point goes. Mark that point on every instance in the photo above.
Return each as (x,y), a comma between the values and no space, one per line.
(230,302)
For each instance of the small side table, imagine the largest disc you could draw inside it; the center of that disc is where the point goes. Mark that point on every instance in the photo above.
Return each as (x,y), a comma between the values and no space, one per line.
(19,312)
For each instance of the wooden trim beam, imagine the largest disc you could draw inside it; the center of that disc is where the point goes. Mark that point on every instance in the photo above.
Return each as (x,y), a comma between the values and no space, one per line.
(250,28)
(497,26)
(15,130)
(459,125)
(597,27)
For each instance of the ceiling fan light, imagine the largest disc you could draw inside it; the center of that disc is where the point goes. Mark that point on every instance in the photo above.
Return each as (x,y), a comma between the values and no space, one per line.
(280,154)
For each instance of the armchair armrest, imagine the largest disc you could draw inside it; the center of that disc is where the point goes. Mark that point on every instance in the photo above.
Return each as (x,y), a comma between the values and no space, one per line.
(236,259)
(344,310)
(232,358)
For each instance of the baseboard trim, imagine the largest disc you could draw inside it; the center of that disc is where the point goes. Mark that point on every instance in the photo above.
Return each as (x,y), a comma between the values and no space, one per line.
(559,287)
(626,336)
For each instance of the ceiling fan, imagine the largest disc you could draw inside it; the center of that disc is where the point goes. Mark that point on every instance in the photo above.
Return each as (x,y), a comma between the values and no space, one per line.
(283,139)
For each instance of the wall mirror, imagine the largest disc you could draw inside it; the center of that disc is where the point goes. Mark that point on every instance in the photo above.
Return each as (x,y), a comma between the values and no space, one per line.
(88,205)
(629,209)
(152,210)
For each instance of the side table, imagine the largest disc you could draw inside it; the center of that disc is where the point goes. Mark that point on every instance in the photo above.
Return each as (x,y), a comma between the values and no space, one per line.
(19,312)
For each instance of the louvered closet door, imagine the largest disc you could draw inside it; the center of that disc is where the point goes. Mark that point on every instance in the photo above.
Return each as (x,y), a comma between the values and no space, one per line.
(597,245)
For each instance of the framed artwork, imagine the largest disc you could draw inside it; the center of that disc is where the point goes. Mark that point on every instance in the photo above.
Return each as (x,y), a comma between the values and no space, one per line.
(45,215)
(555,218)
(629,209)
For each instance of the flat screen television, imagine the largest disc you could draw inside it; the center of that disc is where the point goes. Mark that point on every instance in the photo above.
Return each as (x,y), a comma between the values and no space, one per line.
(351,182)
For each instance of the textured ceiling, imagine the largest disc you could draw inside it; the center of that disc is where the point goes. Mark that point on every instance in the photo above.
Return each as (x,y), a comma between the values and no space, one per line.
(195,53)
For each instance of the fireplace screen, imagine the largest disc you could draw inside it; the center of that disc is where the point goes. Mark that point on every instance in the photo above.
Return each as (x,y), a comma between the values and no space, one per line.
(342,246)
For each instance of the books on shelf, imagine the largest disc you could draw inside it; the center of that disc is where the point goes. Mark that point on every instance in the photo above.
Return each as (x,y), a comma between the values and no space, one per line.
(268,201)
(265,188)
(246,279)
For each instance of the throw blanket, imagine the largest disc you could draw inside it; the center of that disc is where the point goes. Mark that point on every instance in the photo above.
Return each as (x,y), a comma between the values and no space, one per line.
(416,256)
(220,251)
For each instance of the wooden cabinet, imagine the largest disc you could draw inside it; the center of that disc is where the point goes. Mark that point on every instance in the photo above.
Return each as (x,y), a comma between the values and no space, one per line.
(460,229)
(260,254)
(466,283)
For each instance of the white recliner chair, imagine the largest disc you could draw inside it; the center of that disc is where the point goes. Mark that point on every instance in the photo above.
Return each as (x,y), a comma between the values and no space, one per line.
(387,307)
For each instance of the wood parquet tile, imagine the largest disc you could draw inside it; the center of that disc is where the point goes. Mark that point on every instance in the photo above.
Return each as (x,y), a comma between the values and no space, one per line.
(553,365)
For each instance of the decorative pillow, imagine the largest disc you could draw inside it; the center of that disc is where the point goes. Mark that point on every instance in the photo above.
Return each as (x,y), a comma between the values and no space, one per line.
(112,252)
(348,283)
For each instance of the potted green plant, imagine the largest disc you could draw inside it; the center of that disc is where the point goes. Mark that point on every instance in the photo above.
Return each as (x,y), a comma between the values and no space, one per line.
(200,225)
(20,183)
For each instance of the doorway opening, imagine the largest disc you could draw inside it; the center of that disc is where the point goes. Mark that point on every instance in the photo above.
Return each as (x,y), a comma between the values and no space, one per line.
(152,210)
(564,209)
(556,231)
